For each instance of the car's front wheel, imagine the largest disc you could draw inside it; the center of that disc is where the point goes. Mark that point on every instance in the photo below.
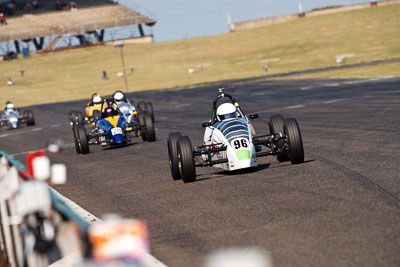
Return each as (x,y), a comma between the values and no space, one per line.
(76,138)
(149,110)
(173,155)
(186,160)
(150,131)
(295,142)
(30,121)
(82,138)
(276,128)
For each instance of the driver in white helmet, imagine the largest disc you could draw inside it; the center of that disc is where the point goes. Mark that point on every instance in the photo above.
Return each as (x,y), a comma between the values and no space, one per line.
(119,97)
(8,109)
(126,108)
(227,111)
(97,100)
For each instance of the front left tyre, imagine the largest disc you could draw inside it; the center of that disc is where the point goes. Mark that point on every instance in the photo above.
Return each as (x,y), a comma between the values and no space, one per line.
(276,123)
(295,142)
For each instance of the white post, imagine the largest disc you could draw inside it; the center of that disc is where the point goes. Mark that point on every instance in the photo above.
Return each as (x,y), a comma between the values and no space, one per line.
(300,7)
(229,19)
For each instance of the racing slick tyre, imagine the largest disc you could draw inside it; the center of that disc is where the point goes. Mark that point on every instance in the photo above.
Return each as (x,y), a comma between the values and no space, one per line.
(276,127)
(149,110)
(72,117)
(173,155)
(82,139)
(186,160)
(292,131)
(30,119)
(150,132)
(79,117)
(142,106)
(142,125)
(77,145)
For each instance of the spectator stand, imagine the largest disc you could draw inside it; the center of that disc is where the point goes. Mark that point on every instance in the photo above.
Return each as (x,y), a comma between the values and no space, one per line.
(57,23)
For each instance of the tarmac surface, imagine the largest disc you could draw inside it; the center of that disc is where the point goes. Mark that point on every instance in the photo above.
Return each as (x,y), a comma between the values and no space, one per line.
(340,208)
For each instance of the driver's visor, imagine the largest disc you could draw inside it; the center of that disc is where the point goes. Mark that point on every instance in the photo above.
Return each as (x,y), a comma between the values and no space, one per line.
(232,115)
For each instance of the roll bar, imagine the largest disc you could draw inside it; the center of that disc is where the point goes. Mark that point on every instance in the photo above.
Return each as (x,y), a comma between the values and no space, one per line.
(221,94)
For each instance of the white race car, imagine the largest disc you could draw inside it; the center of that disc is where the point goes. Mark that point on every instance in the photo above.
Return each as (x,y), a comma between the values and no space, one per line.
(11,119)
(128,109)
(230,142)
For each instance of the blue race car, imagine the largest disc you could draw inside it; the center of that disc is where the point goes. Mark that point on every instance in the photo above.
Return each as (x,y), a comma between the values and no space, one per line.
(112,129)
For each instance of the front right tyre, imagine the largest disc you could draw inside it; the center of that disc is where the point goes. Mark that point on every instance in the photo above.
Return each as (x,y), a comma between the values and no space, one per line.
(173,155)
(83,140)
(186,160)
(150,131)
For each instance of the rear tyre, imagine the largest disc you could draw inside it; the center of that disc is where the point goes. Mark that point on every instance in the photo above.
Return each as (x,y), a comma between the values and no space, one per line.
(30,121)
(79,117)
(149,110)
(292,131)
(186,161)
(142,125)
(173,155)
(83,141)
(150,132)
(276,128)
(142,106)
(72,117)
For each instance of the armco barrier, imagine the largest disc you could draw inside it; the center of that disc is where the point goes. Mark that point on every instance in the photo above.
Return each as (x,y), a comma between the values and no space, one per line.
(38,228)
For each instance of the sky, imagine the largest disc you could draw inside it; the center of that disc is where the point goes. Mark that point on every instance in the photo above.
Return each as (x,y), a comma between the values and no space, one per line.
(182,19)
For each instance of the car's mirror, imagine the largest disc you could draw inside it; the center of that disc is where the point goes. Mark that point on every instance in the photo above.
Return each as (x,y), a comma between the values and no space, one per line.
(95,120)
(253,116)
(206,124)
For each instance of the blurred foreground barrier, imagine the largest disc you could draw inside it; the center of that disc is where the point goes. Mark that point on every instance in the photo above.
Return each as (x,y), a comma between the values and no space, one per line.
(38,229)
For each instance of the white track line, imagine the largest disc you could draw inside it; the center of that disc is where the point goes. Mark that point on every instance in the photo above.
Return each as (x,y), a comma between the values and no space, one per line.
(148,261)
(296,106)
(183,105)
(26,152)
(31,130)
(309,87)
(335,100)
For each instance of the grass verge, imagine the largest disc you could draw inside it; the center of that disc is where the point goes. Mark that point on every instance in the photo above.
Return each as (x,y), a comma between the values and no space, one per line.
(310,43)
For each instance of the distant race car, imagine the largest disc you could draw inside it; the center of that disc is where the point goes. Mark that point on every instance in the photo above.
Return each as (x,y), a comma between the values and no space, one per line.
(129,110)
(93,109)
(11,119)
(230,142)
(112,129)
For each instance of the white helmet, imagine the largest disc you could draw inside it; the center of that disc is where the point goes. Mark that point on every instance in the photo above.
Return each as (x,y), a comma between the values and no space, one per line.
(10,107)
(226,111)
(97,100)
(118,96)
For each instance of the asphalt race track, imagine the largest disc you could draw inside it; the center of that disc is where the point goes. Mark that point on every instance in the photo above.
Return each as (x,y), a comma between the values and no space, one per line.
(340,208)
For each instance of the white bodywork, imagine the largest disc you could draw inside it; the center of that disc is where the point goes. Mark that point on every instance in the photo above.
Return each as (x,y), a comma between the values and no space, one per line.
(236,134)
(11,119)
(127,109)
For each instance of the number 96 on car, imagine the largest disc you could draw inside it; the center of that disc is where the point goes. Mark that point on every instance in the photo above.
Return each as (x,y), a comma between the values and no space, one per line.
(240,143)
